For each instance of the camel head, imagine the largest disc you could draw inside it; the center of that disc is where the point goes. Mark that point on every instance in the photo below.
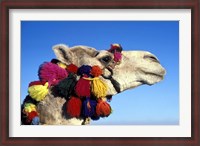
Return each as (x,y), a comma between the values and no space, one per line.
(136,67)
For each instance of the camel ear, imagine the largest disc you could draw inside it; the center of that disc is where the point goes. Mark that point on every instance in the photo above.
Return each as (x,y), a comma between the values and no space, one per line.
(63,53)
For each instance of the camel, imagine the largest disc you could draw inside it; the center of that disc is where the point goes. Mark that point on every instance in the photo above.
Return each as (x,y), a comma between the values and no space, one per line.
(135,68)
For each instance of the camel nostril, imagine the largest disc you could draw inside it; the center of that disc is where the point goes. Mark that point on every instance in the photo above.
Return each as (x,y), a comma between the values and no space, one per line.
(152,58)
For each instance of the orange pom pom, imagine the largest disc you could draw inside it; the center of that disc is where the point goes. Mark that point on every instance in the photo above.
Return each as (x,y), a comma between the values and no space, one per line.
(96,71)
(103,109)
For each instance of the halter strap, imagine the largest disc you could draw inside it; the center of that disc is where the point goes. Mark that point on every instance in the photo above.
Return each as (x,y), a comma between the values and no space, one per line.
(115,84)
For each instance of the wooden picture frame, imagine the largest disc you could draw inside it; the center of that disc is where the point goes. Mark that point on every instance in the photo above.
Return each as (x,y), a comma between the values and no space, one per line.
(102,4)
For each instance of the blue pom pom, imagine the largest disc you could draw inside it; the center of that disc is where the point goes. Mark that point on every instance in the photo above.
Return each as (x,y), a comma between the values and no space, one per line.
(91,110)
(35,121)
(84,69)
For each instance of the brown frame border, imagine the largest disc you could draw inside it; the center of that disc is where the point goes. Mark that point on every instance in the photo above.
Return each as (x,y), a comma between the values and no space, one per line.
(194,5)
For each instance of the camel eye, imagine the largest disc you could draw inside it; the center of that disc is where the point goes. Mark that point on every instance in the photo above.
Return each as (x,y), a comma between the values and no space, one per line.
(106,59)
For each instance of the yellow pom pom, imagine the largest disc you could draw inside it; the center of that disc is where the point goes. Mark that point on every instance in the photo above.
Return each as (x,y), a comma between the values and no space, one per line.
(62,65)
(99,88)
(38,92)
(29,107)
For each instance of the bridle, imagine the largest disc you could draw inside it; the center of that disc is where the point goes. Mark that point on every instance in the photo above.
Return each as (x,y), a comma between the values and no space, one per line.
(115,48)
(115,84)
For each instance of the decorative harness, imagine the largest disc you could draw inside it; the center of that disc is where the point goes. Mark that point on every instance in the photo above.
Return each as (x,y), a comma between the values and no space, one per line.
(86,97)
(116,50)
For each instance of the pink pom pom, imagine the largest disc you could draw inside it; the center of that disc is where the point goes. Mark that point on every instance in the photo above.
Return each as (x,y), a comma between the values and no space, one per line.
(52,73)
(117,56)
(82,88)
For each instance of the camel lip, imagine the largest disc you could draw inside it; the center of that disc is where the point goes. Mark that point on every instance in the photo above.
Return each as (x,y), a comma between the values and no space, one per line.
(156,74)
(159,76)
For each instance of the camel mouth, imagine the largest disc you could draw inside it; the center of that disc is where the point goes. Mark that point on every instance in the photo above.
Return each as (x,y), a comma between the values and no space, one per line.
(156,75)
(151,78)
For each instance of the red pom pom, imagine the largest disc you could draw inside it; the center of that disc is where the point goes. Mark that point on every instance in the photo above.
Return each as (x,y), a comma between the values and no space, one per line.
(103,109)
(115,48)
(36,83)
(72,68)
(30,116)
(74,106)
(96,71)
(82,87)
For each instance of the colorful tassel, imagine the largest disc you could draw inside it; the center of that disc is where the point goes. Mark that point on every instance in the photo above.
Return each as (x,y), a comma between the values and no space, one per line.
(30,116)
(96,71)
(82,87)
(103,109)
(55,73)
(52,73)
(89,107)
(117,56)
(35,121)
(84,70)
(74,106)
(98,87)
(115,47)
(72,68)
(66,87)
(38,92)
(29,107)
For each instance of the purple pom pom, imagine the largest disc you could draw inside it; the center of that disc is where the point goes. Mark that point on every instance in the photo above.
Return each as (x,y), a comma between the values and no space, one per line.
(84,69)
(89,107)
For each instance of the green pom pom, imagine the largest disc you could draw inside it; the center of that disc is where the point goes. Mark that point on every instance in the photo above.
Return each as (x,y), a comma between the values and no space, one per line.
(65,87)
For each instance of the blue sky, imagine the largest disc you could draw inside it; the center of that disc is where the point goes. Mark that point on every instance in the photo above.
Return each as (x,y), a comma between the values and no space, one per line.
(144,105)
